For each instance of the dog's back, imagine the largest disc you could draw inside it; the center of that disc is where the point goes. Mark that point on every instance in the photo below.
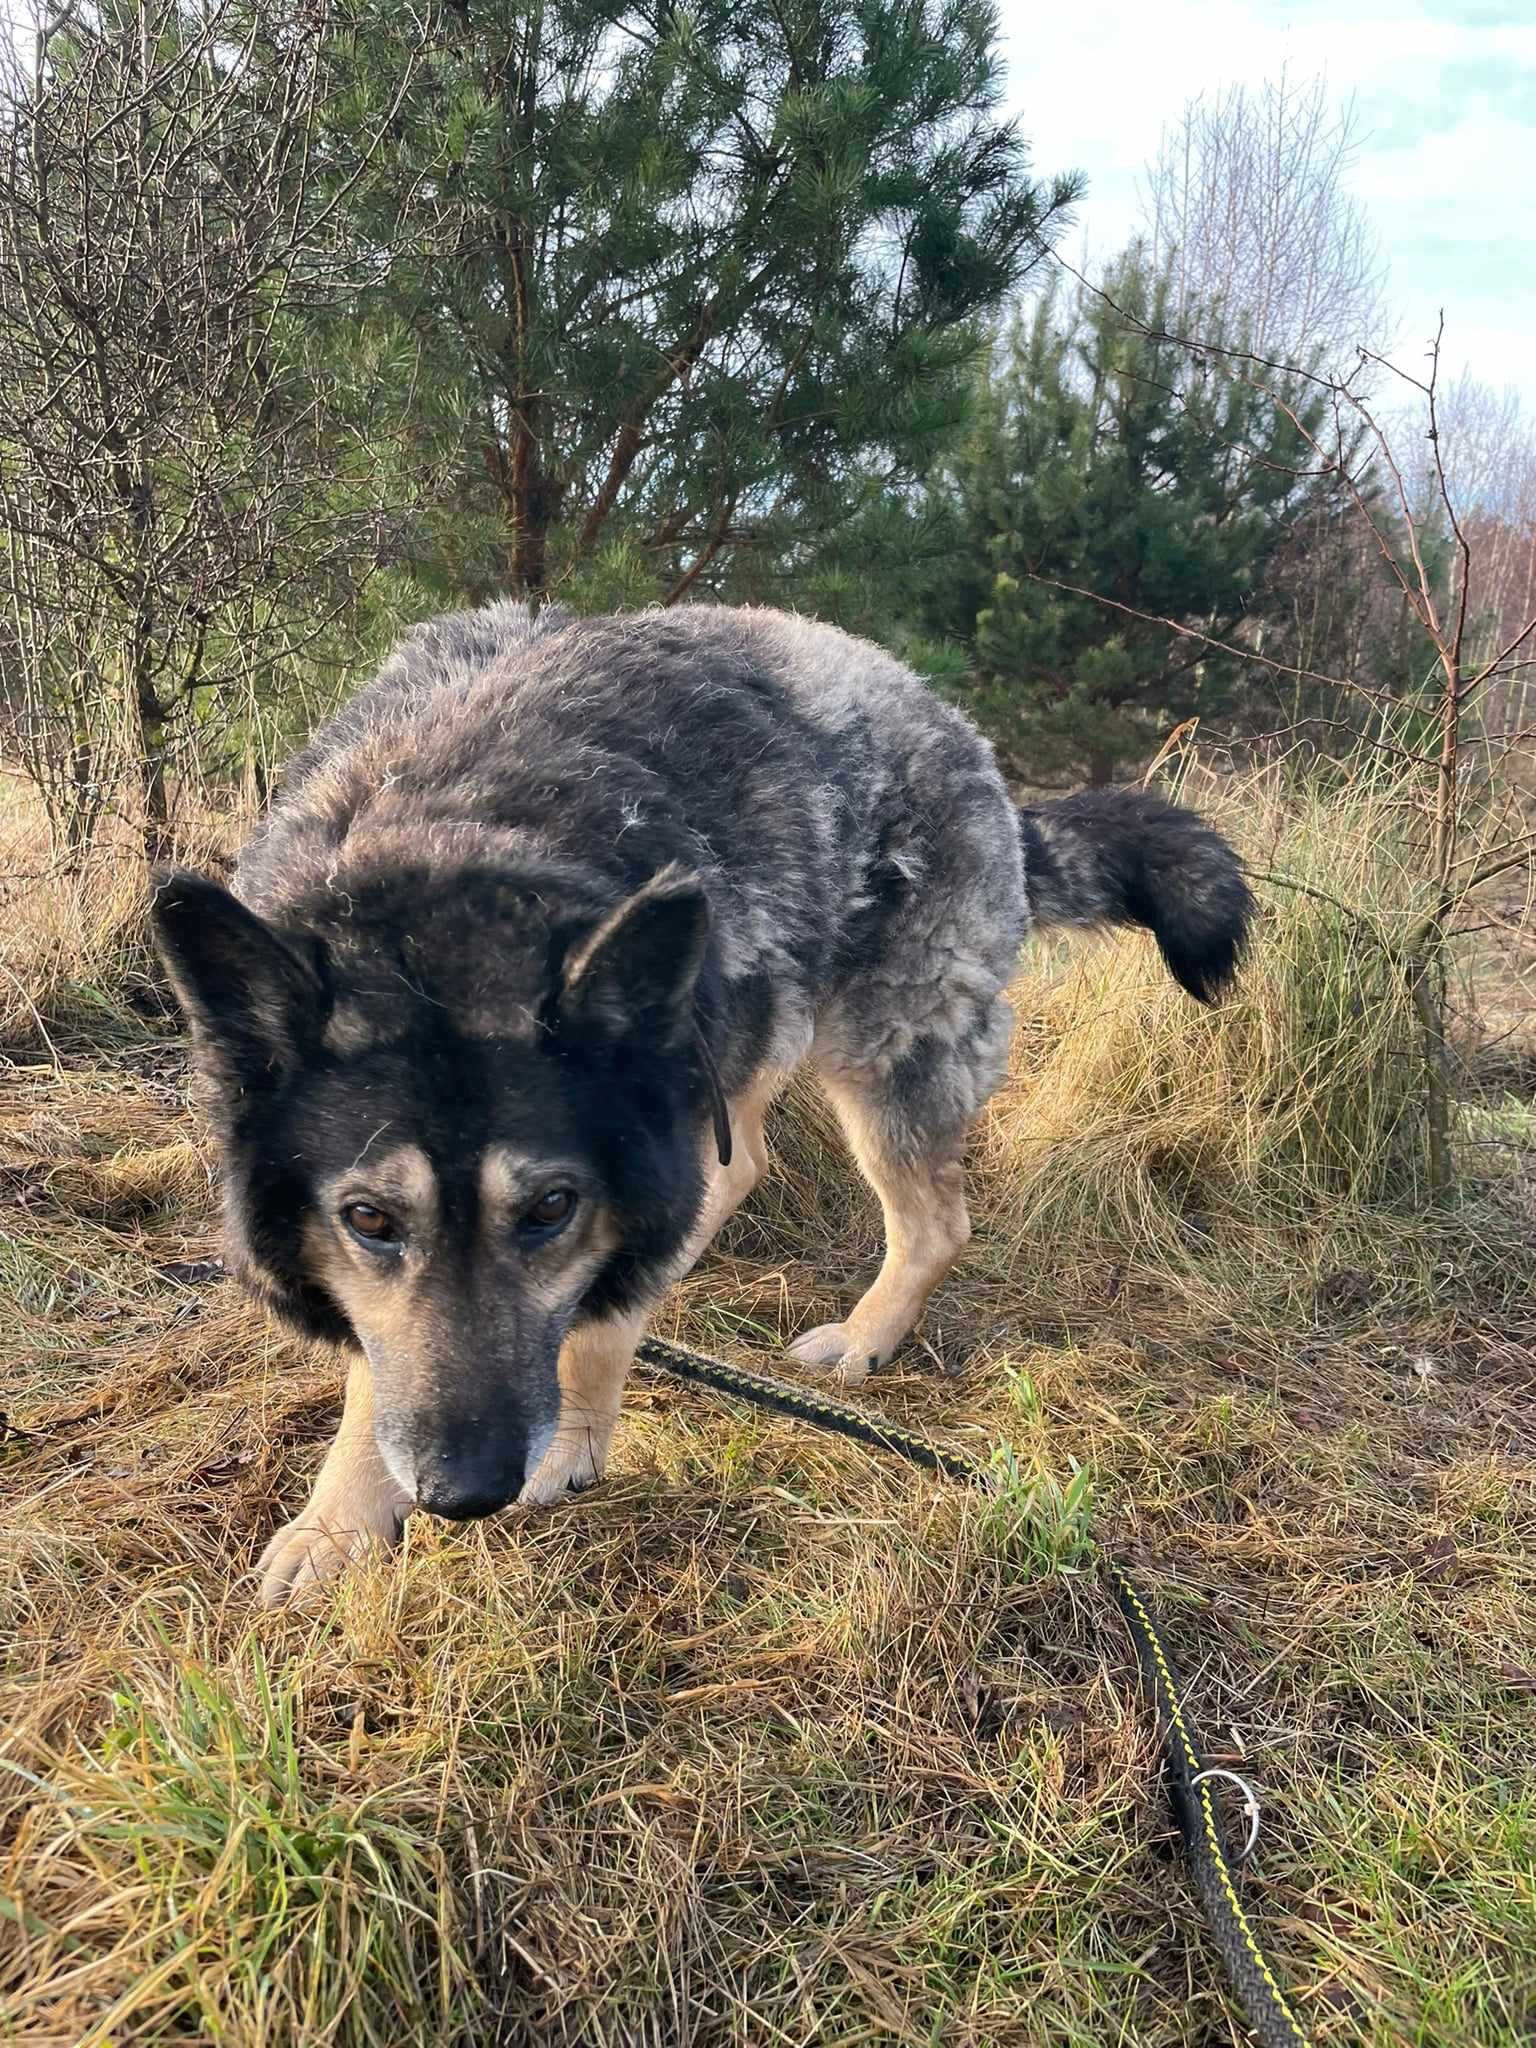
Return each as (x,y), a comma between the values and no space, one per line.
(807,777)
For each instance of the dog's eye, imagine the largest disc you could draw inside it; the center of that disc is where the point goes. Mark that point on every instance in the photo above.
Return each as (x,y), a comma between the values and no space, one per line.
(551,1212)
(373,1226)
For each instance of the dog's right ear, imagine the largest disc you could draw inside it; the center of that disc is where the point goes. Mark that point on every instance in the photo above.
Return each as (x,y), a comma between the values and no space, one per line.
(254,1000)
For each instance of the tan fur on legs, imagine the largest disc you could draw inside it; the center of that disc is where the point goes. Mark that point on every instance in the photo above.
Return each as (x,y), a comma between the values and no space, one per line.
(593,1362)
(356,1505)
(595,1359)
(926,1229)
(729,1186)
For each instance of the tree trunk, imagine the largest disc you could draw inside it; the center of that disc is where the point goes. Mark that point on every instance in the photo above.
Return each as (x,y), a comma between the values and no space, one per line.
(149,751)
(530,502)
(83,807)
(1426,985)
(1428,965)
(536,501)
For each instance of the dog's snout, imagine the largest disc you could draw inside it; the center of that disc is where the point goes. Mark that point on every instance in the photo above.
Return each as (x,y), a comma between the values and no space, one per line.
(443,1494)
(474,1472)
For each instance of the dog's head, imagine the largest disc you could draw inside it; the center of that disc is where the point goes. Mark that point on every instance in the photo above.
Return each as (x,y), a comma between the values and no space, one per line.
(450,1198)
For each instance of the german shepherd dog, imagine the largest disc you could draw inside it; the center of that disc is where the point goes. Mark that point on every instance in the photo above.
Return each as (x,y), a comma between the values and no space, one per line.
(535,929)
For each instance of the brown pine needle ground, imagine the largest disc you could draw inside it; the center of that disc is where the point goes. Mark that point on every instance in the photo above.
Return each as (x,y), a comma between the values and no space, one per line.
(764,1741)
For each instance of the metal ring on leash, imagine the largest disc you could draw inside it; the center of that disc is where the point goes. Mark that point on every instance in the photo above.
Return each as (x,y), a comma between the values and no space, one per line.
(1250,1800)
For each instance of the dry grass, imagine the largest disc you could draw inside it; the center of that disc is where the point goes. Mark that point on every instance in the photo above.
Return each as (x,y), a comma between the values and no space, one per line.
(75,965)
(763,1742)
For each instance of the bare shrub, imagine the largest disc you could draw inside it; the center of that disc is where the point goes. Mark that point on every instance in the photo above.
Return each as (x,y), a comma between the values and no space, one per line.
(186,502)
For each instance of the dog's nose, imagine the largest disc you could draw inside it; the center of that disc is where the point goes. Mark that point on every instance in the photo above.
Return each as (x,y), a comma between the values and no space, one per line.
(474,1476)
(458,1503)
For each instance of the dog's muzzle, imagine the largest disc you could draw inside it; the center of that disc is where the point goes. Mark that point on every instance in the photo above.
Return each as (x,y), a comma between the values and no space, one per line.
(469,1471)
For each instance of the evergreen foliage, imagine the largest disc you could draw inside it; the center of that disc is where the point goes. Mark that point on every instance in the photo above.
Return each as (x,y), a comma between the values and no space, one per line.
(1112,478)
(695,274)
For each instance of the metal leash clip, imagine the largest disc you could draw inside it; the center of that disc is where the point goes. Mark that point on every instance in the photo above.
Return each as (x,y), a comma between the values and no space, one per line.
(1250,1800)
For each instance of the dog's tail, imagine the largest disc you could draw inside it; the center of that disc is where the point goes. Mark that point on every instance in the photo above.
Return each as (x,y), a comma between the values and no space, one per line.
(1128,856)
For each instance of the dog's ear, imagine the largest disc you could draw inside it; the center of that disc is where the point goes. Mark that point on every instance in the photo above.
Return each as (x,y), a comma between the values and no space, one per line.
(255,1001)
(634,974)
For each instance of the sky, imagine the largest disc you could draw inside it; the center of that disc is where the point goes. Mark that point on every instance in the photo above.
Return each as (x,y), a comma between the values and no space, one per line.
(1445,98)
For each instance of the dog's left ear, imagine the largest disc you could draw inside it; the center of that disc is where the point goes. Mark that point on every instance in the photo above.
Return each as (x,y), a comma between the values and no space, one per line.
(634,974)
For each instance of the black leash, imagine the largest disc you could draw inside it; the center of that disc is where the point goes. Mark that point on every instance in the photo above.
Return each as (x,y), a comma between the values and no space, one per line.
(1190,1777)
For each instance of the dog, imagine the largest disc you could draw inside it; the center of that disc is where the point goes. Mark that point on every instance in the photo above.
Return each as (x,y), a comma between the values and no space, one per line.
(531,935)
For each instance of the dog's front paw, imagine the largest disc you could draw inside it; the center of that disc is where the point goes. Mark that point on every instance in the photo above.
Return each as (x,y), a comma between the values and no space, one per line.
(835,1347)
(575,1460)
(299,1563)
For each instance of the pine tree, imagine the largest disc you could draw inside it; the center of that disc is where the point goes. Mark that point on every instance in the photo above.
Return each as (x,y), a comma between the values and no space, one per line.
(697,273)
(1112,461)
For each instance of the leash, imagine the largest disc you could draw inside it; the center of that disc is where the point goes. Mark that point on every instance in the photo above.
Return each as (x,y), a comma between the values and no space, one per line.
(1190,1778)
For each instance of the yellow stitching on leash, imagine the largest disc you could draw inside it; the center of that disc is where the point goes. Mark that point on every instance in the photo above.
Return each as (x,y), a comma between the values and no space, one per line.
(1207,1809)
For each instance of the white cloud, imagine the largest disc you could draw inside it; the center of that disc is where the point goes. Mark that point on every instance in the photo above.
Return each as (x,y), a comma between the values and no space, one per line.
(1474,177)
(1445,169)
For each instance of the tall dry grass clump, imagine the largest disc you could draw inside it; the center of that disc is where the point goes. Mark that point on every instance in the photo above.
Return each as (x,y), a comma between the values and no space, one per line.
(74,940)
(1231,1161)
(1281,1130)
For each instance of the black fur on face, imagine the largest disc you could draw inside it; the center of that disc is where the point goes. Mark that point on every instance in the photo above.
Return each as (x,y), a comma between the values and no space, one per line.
(608,1081)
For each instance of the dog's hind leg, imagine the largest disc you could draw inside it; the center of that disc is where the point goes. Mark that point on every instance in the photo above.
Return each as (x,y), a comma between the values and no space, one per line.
(917,1174)
(356,1506)
(595,1358)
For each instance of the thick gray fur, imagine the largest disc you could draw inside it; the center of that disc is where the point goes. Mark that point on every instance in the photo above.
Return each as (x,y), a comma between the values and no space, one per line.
(509,777)
(532,904)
